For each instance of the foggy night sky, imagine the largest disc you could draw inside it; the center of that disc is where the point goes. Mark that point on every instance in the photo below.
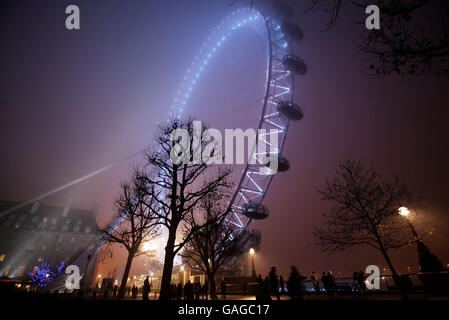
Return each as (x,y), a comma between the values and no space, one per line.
(72,102)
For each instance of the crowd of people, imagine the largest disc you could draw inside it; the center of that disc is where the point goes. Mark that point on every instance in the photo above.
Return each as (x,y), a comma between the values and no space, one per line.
(294,287)
(190,291)
(263,288)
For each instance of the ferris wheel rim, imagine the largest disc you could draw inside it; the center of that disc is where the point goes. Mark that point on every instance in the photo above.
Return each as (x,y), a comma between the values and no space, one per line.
(272,30)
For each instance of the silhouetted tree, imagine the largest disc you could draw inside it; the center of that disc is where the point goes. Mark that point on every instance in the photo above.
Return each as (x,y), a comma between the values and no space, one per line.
(179,186)
(215,243)
(413,38)
(364,211)
(136,222)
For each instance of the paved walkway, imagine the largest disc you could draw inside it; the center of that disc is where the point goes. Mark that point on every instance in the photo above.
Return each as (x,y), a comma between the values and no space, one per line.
(377,296)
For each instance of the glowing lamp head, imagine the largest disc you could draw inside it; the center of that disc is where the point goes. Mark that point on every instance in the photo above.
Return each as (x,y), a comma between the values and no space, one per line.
(251,251)
(182,268)
(403,211)
(99,276)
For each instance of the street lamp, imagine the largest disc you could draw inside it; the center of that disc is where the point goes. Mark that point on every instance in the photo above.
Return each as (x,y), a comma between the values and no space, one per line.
(404,211)
(428,261)
(183,275)
(253,272)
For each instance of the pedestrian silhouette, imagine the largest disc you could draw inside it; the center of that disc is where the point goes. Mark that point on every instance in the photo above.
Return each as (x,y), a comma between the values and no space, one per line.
(315,282)
(281,285)
(294,284)
(274,283)
(223,290)
(146,289)
(266,290)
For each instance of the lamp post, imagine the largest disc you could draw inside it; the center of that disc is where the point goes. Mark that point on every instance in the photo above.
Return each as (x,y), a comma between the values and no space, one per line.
(183,275)
(403,211)
(253,272)
(428,261)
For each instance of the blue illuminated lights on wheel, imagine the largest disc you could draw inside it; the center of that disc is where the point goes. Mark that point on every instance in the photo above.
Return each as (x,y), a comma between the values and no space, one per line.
(279,84)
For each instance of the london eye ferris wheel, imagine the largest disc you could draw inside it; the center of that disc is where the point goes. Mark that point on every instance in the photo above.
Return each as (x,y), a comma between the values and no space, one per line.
(276,108)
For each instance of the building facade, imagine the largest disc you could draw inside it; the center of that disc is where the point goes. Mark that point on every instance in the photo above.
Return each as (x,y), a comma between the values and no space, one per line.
(37,232)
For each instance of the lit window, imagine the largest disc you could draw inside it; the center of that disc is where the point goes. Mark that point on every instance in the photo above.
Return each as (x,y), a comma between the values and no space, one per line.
(2,257)
(17,226)
(45,220)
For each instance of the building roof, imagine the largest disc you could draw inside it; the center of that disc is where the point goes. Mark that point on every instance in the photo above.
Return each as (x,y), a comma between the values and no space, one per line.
(47,218)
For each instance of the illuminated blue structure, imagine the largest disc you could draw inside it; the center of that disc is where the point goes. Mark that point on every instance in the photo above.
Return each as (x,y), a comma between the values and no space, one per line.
(44,274)
(281,66)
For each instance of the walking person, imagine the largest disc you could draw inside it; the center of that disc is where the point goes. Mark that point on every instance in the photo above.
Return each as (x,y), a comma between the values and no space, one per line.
(294,284)
(361,281)
(206,290)
(282,285)
(188,291)
(223,290)
(315,282)
(197,288)
(266,289)
(134,291)
(258,288)
(324,279)
(332,284)
(146,289)
(178,292)
(274,283)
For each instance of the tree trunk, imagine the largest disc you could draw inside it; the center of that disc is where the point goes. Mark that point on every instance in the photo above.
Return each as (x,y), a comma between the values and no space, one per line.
(211,279)
(168,266)
(396,279)
(121,292)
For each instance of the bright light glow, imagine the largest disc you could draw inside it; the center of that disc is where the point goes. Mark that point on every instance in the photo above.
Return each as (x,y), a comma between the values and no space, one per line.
(147,246)
(403,211)
(251,251)
(99,276)
(182,268)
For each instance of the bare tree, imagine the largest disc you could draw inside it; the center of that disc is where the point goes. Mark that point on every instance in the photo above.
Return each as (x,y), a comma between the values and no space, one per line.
(215,243)
(413,38)
(137,223)
(178,187)
(364,211)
